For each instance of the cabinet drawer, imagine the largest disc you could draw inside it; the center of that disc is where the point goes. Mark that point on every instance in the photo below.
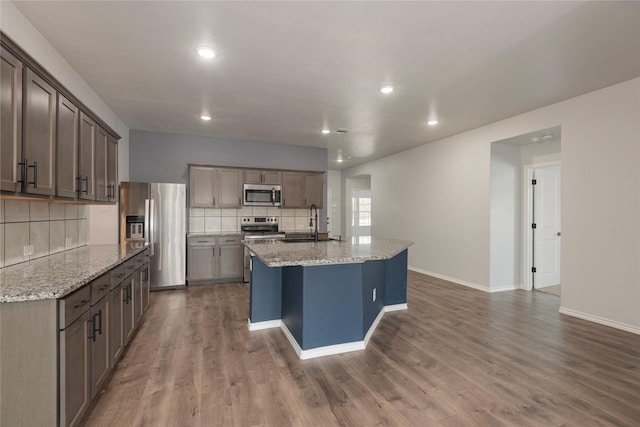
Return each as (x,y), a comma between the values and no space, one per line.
(100,287)
(129,267)
(229,240)
(138,260)
(202,241)
(117,275)
(73,305)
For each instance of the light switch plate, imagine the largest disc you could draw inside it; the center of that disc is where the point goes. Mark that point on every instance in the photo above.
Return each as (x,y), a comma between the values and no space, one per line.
(28,250)
(68,241)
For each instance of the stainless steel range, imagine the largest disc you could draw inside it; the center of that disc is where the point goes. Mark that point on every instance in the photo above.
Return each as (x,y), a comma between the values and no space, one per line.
(258,228)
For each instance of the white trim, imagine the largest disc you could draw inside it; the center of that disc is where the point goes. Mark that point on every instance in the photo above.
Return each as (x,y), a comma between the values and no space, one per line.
(395,307)
(327,350)
(453,280)
(267,324)
(600,320)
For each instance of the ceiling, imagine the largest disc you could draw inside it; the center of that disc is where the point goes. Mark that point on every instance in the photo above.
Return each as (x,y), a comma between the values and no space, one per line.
(286,70)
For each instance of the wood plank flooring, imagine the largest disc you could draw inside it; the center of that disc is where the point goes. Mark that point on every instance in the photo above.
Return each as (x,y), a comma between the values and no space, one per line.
(457,357)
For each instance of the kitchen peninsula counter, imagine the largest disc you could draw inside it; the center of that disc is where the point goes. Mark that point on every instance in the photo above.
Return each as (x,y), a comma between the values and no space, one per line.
(328,296)
(57,275)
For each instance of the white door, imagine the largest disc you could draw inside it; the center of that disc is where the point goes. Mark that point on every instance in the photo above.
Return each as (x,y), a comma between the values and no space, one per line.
(546,236)
(361,216)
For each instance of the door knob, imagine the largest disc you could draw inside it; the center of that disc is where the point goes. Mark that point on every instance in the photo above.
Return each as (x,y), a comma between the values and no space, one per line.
(558,234)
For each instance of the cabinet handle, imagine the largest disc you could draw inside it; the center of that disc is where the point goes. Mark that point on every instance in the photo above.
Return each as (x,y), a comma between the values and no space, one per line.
(78,184)
(86,182)
(82,303)
(214,200)
(93,326)
(92,329)
(100,321)
(35,174)
(23,173)
(202,241)
(102,288)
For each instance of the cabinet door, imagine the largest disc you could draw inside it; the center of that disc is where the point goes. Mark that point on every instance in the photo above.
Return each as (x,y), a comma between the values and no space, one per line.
(137,298)
(230,262)
(11,120)
(252,176)
(100,351)
(117,323)
(112,169)
(67,148)
(146,283)
(201,187)
(229,188)
(74,370)
(39,135)
(129,303)
(101,165)
(86,167)
(292,190)
(271,177)
(201,263)
(313,189)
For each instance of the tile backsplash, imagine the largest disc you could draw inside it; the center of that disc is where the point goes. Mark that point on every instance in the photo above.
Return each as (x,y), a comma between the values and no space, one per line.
(43,227)
(220,220)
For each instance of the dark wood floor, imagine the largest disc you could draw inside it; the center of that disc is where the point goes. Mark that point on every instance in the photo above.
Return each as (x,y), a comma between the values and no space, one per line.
(457,357)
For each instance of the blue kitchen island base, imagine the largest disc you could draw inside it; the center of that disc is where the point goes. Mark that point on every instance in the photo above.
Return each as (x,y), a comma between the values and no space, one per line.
(327,309)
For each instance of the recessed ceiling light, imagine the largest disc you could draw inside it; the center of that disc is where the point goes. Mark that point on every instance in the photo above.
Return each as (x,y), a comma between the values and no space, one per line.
(432,122)
(547,137)
(386,89)
(339,160)
(205,117)
(325,131)
(206,52)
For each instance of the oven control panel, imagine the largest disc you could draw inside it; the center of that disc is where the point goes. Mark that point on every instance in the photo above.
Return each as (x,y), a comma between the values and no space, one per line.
(258,220)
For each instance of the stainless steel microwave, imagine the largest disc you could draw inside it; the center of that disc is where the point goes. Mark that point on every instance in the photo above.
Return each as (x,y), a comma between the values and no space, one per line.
(261,195)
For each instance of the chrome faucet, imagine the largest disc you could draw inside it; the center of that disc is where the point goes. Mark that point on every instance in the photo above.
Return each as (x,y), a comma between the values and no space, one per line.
(311,209)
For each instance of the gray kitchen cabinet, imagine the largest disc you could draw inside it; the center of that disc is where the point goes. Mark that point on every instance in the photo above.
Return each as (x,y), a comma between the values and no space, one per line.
(230,261)
(112,169)
(215,187)
(229,188)
(202,187)
(292,190)
(100,162)
(215,259)
(201,266)
(86,166)
(11,119)
(267,177)
(129,319)
(76,330)
(313,191)
(145,287)
(100,336)
(67,148)
(117,323)
(38,145)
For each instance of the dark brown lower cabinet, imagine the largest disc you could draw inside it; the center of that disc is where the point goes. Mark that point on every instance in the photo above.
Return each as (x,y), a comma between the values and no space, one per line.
(100,343)
(117,322)
(129,320)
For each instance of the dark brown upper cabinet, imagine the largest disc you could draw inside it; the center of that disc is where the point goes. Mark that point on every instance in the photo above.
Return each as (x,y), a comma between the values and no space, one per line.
(11,121)
(67,149)
(112,169)
(38,145)
(86,166)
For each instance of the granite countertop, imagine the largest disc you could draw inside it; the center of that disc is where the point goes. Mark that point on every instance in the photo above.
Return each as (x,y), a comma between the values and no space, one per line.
(57,275)
(282,254)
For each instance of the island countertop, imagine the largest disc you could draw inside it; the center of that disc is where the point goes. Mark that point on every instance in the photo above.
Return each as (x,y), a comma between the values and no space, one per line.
(283,254)
(57,275)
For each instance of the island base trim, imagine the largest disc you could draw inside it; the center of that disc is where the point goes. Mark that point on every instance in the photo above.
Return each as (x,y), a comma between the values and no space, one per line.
(328,350)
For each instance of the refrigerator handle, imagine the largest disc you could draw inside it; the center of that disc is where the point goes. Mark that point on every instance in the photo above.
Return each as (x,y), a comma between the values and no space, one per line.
(152,225)
(147,218)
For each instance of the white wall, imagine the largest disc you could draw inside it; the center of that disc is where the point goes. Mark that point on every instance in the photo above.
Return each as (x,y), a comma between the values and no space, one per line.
(506,229)
(448,217)
(103,221)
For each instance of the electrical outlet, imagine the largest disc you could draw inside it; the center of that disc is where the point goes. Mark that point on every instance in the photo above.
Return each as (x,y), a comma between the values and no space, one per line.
(68,241)
(28,250)
(374,295)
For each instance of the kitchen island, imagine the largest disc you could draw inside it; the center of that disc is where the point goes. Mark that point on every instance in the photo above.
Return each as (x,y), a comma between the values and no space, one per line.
(328,296)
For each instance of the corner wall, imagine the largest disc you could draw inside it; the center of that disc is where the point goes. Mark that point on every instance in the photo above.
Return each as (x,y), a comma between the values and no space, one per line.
(438,195)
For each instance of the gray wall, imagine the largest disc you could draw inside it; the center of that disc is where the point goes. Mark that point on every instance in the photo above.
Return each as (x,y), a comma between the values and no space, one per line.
(163,157)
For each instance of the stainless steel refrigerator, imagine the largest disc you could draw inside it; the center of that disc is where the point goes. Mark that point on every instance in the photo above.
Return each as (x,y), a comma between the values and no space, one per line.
(154,213)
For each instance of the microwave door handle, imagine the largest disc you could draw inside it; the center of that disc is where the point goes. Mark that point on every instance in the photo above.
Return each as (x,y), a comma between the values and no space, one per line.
(273,196)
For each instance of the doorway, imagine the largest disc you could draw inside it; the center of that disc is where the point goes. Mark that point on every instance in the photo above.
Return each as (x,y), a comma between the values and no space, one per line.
(358,210)
(543,224)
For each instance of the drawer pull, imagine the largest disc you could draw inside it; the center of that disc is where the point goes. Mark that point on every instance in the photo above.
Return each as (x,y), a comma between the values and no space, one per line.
(120,276)
(102,288)
(82,303)
(203,241)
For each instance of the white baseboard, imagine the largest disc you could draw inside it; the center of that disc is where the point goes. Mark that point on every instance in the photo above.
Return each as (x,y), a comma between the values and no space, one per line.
(600,320)
(476,286)
(267,324)
(329,349)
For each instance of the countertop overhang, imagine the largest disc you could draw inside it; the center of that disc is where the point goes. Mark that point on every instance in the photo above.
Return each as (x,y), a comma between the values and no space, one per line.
(281,254)
(57,275)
